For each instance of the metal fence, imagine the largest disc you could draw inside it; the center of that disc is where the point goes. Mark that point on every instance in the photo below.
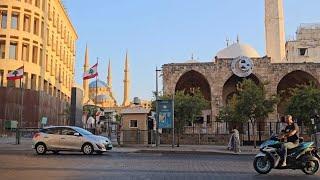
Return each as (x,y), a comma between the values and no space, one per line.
(219,132)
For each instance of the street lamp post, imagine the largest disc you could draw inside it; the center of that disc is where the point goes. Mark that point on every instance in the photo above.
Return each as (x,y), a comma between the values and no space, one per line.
(157,109)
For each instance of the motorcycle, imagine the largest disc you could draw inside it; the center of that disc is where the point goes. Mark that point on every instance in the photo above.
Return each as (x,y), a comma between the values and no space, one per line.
(304,157)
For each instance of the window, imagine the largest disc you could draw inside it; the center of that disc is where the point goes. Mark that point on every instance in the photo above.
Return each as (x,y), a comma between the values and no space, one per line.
(133,123)
(33,82)
(56,71)
(36,26)
(47,63)
(25,52)
(26,80)
(15,20)
(54,17)
(4,16)
(35,54)
(39,83)
(1,78)
(13,50)
(48,37)
(37,3)
(2,49)
(303,51)
(67,131)
(41,58)
(43,6)
(26,23)
(42,29)
(51,131)
(52,69)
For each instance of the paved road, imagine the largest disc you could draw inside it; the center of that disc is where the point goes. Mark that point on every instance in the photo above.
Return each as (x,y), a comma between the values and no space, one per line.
(27,165)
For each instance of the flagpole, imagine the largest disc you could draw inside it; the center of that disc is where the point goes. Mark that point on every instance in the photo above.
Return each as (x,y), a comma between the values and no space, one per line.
(96,100)
(21,110)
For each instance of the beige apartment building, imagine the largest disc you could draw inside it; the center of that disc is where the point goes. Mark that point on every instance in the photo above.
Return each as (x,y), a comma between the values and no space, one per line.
(38,35)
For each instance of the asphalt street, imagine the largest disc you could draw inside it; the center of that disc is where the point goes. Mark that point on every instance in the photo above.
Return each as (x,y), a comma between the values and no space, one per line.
(149,166)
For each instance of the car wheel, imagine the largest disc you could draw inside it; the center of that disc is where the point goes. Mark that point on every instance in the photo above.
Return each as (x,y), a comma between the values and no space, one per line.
(41,148)
(87,149)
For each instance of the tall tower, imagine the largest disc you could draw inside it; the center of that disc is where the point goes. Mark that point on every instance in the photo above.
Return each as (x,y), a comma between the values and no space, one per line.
(274,29)
(86,82)
(126,83)
(109,77)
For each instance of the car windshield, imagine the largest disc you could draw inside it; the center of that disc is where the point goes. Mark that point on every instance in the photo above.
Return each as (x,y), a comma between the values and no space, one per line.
(82,131)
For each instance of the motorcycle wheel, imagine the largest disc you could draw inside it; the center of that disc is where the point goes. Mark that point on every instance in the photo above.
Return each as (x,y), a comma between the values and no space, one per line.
(312,166)
(262,165)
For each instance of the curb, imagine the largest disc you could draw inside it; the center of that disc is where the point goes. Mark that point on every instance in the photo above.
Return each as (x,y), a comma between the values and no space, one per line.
(193,152)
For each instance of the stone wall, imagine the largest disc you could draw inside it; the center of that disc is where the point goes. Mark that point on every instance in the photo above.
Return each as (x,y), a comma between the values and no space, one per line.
(217,73)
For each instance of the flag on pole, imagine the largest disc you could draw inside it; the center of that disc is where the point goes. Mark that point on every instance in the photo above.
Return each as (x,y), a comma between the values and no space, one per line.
(16,74)
(91,73)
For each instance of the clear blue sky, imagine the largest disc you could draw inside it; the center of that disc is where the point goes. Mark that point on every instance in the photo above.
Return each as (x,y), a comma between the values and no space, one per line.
(156,32)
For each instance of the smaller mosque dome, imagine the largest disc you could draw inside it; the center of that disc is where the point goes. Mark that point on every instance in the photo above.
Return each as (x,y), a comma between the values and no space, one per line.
(100,84)
(236,50)
(103,97)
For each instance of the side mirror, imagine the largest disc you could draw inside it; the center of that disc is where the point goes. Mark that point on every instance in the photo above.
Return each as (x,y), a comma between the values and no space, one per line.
(76,134)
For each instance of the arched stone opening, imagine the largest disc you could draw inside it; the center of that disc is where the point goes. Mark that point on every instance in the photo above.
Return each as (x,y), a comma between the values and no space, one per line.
(189,82)
(289,81)
(192,80)
(230,86)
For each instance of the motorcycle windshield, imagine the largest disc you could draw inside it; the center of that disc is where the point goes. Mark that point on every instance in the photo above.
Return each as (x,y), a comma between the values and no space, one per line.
(268,143)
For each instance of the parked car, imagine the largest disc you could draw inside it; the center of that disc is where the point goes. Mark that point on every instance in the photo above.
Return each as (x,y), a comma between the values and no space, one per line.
(69,138)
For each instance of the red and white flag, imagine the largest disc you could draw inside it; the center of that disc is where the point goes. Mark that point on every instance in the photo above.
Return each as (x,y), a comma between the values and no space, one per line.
(91,73)
(16,74)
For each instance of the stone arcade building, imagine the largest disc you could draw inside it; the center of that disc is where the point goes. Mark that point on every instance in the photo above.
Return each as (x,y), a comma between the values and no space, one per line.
(286,65)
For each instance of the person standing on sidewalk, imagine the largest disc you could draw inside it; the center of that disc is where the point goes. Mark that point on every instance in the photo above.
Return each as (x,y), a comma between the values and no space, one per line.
(234,141)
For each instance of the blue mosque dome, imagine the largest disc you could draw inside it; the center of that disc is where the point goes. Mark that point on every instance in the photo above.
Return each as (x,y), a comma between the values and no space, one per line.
(100,84)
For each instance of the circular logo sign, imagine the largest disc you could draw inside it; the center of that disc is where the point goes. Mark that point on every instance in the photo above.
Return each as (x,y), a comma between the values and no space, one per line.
(242,66)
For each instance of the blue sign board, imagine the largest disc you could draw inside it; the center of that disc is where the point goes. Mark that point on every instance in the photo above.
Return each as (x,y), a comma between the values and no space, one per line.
(165,113)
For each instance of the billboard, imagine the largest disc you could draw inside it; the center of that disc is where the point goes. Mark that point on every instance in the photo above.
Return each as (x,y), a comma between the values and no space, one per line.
(165,111)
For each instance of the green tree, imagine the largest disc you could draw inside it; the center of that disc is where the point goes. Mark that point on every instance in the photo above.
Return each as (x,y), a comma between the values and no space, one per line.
(187,106)
(303,103)
(249,104)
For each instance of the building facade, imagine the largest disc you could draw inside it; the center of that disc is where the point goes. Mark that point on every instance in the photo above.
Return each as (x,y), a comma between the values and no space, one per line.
(38,35)
(306,46)
(285,65)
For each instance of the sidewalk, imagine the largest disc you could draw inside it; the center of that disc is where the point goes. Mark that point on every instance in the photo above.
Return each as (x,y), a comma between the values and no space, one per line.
(192,149)
(8,144)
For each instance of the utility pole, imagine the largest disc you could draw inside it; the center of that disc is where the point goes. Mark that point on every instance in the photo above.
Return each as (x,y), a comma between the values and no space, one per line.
(157,109)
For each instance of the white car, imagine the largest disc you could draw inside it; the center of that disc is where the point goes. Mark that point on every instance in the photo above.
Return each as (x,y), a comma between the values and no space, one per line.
(69,138)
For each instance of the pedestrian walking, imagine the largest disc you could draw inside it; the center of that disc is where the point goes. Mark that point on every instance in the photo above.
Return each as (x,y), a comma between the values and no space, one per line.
(234,141)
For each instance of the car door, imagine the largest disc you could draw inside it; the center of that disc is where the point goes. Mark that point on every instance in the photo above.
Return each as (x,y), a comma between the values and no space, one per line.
(69,141)
(52,138)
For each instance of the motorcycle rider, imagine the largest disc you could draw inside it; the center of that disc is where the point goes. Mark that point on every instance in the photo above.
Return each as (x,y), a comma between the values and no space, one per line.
(291,133)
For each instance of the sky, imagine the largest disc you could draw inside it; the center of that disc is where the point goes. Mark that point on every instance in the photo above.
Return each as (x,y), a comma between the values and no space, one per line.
(156,32)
